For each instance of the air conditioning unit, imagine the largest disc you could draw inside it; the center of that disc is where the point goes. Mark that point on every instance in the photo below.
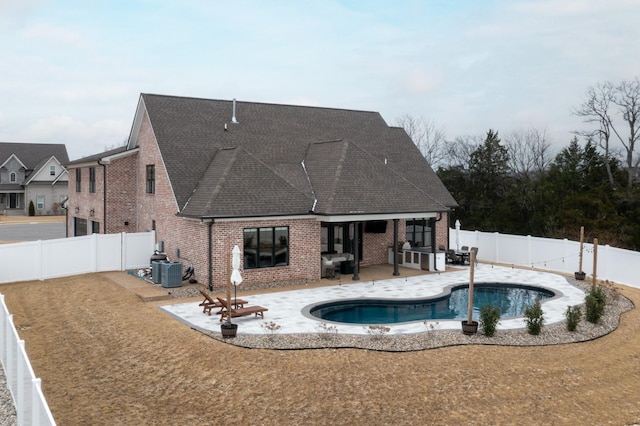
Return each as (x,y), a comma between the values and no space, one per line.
(156,271)
(171,275)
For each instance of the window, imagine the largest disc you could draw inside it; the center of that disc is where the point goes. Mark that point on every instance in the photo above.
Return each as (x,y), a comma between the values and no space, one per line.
(92,179)
(151,179)
(78,180)
(266,247)
(12,177)
(40,202)
(79,226)
(95,227)
(52,170)
(418,232)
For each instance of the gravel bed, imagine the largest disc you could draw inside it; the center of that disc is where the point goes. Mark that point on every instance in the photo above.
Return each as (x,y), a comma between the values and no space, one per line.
(8,414)
(433,338)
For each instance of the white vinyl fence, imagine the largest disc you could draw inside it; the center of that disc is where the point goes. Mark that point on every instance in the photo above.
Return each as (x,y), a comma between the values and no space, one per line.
(31,406)
(41,260)
(613,264)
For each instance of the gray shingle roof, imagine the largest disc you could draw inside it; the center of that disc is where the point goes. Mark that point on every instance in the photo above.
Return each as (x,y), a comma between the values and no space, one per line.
(254,167)
(96,157)
(31,154)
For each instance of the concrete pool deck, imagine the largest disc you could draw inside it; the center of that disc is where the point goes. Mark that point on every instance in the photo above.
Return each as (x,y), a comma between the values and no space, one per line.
(285,307)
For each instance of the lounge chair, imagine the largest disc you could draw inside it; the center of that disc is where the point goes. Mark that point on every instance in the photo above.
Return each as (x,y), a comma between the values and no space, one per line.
(208,303)
(240,312)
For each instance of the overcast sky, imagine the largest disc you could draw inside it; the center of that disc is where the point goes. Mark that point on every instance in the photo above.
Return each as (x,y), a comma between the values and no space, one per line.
(72,71)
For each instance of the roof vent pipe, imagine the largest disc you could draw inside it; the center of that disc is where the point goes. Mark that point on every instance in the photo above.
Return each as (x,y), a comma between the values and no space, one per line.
(233,117)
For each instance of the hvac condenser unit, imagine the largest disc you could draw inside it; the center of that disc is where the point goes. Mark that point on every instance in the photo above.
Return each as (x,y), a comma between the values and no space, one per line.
(171,275)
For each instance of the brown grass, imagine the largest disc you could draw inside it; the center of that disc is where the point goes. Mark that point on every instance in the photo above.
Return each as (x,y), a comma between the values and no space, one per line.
(106,357)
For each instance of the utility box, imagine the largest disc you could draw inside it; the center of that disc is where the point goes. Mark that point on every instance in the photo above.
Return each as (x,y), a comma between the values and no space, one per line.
(171,275)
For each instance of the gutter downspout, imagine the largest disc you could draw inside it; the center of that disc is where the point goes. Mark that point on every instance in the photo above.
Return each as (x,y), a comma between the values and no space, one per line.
(104,196)
(210,256)
(395,248)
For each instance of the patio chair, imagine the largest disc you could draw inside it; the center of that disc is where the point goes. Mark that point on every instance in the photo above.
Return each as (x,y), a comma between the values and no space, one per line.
(240,312)
(208,303)
(453,258)
(475,250)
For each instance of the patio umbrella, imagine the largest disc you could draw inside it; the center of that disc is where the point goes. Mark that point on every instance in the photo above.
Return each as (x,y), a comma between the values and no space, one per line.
(236,278)
(457,235)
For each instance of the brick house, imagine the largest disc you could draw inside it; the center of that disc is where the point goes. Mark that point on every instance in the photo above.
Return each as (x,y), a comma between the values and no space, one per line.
(32,172)
(285,183)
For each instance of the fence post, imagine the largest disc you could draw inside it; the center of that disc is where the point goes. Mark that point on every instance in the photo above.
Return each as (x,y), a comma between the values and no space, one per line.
(3,333)
(35,412)
(605,261)
(123,250)
(39,260)
(20,388)
(10,343)
(94,252)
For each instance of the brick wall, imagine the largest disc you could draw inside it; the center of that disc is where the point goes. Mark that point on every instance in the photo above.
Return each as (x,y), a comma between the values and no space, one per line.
(376,246)
(89,205)
(442,231)
(304,252)
(121,195)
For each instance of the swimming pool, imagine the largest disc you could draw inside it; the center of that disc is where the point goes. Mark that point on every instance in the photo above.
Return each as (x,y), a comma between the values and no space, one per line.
(512,299)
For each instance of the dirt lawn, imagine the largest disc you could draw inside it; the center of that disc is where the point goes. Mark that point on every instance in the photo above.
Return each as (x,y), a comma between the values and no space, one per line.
(106,357)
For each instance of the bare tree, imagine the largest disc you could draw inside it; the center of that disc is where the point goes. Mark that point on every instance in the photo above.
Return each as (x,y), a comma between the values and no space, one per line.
(529,152)
(610,108)
(429,139)
(596,109)
(458,153)
(628,100)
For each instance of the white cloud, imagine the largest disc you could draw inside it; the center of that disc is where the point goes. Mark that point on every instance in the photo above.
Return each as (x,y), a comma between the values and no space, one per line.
(14,13)
(51,33)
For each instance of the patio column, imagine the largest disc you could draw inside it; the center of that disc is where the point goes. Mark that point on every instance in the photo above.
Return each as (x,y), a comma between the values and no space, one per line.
(395,247)
(356,251)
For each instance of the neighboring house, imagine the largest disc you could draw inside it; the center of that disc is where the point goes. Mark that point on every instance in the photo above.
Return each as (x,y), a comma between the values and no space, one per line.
(285,183)
(32,172)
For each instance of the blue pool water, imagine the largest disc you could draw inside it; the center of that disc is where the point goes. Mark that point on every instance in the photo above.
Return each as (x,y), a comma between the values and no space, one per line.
(512,299)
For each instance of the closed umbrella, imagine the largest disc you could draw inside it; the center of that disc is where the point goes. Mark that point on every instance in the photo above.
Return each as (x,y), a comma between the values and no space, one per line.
(457,235)
(236,278)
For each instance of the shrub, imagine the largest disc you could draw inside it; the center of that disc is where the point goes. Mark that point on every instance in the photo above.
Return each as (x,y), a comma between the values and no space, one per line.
(431,327)
(534,318)
(489,318)
(32,209)
(327,331)
(377,331)
(595,301)
(573,315)
(271,328)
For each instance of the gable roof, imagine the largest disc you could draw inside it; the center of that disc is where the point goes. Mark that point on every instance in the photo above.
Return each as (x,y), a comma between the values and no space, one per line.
(286,160)
(31,154)
(43,163)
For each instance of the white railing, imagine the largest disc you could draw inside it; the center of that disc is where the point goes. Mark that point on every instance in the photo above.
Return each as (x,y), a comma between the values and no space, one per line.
(31,406)
(40,260)
(613,264)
